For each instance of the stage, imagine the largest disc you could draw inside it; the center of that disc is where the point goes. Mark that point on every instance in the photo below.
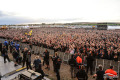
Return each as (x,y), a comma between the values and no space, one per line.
(9,72)
(7,68)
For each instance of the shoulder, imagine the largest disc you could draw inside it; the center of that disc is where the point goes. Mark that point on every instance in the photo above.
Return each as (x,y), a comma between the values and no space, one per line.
(84,71)
(35,60)
(107,70)
(39,60)
(100,71)
(78,72)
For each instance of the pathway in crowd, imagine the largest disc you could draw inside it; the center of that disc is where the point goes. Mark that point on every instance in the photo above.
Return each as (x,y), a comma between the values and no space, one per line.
(64,70)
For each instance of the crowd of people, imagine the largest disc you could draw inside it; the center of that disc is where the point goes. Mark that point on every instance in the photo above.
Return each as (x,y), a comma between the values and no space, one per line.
(103,44)
(84,46)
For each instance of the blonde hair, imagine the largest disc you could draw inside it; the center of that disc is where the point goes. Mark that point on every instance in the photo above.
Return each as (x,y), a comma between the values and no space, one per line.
(82,67)
(56,53)
(25,49)
(37,57)
(100,67)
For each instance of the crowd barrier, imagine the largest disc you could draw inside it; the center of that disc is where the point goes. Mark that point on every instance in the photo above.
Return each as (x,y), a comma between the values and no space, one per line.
(66,57)
(40,50)
(107,63)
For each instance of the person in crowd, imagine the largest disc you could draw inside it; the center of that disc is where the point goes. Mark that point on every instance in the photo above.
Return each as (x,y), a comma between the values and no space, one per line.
(11,46)
(28,60)
(0,76)
(46,59)
(6,44)
(1,48)
(81,74)
(17,46)
(43,58)
(90,60)
(36,63)
(85,60)
(30,45)
(72,63)
(115,58)
(54,59)
(109,56)
(24,55)
(5,54)
(99,74)
(39,70)
(111,73)
(103,55)
(15,56)
(57,68)
(118,52)
(78,61)
(72,50)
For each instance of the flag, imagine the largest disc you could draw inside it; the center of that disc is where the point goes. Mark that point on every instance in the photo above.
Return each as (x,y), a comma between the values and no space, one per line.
(25,33)
(30,33)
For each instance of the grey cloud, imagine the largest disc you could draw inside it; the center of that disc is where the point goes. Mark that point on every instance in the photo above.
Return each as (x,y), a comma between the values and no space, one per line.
(2,14)
(10,18)
(14,20)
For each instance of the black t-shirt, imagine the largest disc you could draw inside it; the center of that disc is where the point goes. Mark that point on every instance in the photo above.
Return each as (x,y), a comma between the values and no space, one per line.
(15,54)
(72,62)
(46,55)
(54,59)
(100,75)
(0,46)
(90,60)
(4,51)
(82,75)
(24,54)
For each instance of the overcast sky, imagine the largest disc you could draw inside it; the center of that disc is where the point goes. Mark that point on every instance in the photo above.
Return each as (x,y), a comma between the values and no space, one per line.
(58,11)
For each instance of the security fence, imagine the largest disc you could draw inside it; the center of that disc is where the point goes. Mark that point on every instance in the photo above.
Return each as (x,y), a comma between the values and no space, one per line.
(66,56)
(40,50)
(107,63)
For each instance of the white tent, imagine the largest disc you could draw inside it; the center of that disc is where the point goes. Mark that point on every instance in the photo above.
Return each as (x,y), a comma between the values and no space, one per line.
(113,27)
